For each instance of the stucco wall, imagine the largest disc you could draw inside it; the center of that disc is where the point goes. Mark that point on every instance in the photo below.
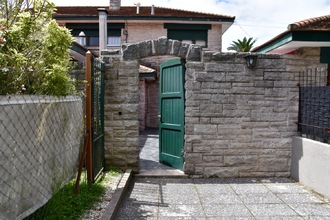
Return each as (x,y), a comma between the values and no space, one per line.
(40,139)
(310,164)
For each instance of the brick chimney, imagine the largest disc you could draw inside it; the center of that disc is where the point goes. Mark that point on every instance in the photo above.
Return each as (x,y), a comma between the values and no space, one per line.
(115,5)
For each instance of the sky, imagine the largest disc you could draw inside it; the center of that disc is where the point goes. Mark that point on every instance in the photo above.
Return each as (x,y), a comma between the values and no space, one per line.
(260,19)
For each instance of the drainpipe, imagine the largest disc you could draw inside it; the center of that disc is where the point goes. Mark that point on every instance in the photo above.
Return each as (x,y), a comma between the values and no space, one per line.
(103,27)
(152,10)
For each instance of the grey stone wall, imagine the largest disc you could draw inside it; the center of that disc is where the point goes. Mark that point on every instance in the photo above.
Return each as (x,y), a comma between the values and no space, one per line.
(121,112)
(239,122)
(40,139)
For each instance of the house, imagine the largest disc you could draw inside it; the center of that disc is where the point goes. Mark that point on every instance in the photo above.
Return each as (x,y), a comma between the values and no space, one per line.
(137,23)
(309,34)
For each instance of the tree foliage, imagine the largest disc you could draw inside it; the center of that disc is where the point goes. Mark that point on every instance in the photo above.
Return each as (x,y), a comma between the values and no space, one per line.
(34,49)
(244,45)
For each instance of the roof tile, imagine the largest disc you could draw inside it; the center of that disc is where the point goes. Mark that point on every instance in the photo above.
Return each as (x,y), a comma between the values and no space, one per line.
(83,11)
(317,23)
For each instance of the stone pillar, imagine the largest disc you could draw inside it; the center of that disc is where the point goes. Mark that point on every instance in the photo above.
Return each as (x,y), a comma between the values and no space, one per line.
(103,27)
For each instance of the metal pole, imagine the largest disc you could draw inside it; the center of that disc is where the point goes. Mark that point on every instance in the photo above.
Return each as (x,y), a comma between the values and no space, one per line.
(89,153)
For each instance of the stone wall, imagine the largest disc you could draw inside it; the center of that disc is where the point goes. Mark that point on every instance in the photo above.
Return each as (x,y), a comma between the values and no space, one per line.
(239,122)
(40,140)
(121,110)
(152,104)
(142,104)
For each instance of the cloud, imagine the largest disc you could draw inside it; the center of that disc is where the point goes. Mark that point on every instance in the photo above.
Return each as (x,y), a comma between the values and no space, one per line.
(259,19)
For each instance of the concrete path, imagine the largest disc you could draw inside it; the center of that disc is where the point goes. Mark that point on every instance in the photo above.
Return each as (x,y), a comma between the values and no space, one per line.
(183,198)
(161,192)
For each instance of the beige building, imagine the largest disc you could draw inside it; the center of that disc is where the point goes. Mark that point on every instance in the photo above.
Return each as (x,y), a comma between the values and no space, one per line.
(137,23)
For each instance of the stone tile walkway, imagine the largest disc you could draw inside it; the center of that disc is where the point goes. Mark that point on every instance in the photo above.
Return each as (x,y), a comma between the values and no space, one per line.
(183,198)
(154,195)
(149,156)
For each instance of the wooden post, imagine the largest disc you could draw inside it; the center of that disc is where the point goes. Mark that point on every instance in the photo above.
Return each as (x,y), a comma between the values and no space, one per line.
(89,158)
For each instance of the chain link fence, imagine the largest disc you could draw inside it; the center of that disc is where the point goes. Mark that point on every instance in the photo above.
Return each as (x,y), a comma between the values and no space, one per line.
(40,141)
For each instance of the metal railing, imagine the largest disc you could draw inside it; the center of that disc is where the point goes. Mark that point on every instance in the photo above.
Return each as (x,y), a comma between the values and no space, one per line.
(314,105)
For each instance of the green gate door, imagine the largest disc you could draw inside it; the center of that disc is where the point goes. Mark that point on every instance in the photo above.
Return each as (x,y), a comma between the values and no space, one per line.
(171,109)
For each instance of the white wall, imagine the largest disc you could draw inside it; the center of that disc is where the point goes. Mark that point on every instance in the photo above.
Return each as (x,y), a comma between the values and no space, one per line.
(310,164)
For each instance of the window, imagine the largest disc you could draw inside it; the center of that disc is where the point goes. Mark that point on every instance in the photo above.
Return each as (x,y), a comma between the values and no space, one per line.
(114,41)
(201,43)
(92,41)
(188,33)
(91,31)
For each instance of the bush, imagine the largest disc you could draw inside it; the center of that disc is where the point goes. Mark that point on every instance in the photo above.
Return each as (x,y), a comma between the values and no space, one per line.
(34,50)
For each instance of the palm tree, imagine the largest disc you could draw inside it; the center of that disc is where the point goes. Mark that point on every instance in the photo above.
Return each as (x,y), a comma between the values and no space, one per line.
(242,46)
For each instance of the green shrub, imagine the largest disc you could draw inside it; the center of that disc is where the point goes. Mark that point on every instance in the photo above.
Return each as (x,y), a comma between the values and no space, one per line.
(34,50)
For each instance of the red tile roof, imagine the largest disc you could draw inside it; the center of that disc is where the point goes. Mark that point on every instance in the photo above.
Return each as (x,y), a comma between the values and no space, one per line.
(321,23)
(84,11)
(317,23)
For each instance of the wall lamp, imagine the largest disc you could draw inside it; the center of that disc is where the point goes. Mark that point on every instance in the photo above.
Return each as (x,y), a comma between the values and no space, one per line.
(251,60)
(82,38)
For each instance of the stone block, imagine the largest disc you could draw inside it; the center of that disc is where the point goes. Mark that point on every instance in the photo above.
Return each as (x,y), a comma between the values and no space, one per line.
(224,67)
(205,129)
(215,159)
(184,50)
(130,51)
(271,63)
(194,53)
(160,46)
(210,76)
(173,47)
(273,164)
(222,172)
(145,49)
(194,158)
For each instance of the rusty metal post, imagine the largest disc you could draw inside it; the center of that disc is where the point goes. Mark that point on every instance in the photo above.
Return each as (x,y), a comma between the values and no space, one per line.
(89,156)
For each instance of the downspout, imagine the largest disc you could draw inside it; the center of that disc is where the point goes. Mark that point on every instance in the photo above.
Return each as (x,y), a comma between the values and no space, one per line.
(103,27)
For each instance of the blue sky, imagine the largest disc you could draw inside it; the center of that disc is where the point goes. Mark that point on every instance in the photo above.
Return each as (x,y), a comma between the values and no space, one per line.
(260,19)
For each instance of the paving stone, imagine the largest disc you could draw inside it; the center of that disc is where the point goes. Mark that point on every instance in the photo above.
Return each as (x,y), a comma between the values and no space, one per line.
(259,198)
(312,209)
(269,210)
(181,210)
(279,218)
(249,188)
(220,199)
(225,210)
(286,188)
(300,198)
(219,189)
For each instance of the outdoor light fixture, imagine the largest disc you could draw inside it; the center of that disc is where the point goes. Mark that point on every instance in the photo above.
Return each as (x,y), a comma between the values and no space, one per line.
(82,38)
(251,60)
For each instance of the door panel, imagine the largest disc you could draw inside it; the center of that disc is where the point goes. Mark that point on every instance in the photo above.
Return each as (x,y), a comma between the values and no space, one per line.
(171,109)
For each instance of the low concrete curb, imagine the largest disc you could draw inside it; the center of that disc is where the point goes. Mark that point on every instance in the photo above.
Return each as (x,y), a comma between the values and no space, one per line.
(117,197)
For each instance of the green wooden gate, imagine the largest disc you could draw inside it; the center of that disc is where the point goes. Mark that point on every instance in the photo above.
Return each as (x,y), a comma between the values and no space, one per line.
(171,109)
(97,117)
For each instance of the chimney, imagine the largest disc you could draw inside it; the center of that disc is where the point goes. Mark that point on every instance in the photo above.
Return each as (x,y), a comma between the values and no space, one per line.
(115,5)
(138,7)
(152,10)
(103,27)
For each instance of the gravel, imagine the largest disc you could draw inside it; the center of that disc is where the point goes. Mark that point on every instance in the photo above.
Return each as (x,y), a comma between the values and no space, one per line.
(100,207)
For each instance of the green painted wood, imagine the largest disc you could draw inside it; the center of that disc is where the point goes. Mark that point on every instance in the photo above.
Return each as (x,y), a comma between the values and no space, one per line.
(171,108)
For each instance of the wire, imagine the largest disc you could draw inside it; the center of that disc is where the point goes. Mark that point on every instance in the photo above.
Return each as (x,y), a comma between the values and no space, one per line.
(242,28)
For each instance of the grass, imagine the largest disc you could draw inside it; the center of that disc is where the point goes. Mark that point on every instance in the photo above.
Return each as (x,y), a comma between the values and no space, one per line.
(64,205)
